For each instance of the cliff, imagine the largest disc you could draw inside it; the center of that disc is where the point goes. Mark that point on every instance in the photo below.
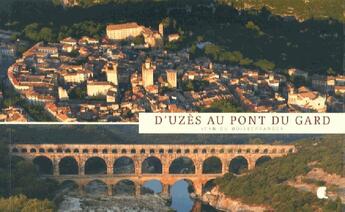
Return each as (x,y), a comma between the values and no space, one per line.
(218,200)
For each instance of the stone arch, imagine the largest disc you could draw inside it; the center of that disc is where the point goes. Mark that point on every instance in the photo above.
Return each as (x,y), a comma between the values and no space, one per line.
(181,189)
(153,186)
(71,184)
(182,165)
(15,150)
(124,187)
(96,187)
(68,166)
(238,165)
(212,165)
(44,165)
(33,150)
(152,165)
(191,186)
(95,165)
(261,160)
(124,165)
(24,150)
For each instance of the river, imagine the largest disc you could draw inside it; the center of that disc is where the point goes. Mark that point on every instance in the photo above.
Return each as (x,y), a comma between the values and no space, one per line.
(181,200)
(95,200)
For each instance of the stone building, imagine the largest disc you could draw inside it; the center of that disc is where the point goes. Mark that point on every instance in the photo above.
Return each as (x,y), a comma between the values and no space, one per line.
(147,73)
(111,71)
(172,78)
(98,88)
(123,31)
(307,100)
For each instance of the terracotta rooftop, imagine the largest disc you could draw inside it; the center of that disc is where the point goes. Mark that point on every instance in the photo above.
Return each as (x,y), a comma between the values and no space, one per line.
(122,26)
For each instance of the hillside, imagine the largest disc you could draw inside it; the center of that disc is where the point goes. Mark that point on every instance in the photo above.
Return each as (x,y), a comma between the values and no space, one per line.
(124,134)
(301,9)
(267,185)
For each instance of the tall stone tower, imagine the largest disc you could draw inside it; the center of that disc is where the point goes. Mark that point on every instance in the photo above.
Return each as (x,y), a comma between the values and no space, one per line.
(161,29)
(147,70)
(172,78)
(111,71)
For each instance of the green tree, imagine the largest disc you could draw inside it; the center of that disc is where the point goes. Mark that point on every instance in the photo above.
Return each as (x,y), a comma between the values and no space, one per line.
(31,31)
(246,61)
(330,71)
(212,50)
(46,34)
(265,65)
(222,106)
(24,204)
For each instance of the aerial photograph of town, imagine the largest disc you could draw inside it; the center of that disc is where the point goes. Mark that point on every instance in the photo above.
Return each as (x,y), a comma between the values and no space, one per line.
(108,60)
(76,75)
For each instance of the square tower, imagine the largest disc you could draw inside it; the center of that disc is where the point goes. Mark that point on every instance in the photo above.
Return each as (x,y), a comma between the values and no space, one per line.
(172,78)
(147,70)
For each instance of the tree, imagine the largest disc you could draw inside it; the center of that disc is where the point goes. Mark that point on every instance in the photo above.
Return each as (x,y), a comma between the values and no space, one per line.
(31,31)
(246,61)
(22,203)
(265,65)
(224,106)
(139,40)
(24,177)
(331,72)
(212,50)
(46,34)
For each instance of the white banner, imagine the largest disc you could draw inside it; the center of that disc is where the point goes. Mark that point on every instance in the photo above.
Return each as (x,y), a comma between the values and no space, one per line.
(242,123)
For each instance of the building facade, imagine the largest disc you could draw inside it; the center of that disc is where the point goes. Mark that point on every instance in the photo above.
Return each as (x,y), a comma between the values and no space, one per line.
(147,73)
(172,78)
(123,31)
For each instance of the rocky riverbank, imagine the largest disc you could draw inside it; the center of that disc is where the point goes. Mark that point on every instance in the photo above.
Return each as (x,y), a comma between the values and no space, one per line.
(218,200)
(121,203)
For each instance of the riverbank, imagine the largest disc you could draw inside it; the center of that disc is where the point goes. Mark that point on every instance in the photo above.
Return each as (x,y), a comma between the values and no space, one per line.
(143,203)
(218,200)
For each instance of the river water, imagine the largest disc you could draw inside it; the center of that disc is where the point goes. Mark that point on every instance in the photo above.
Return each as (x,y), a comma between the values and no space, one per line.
(180,197)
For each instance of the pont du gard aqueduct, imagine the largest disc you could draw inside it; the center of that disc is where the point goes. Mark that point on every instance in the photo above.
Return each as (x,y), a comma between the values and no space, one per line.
(85,163)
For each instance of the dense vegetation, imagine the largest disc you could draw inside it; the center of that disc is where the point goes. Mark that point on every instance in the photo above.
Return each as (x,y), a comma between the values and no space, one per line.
(19,177)
(124,134)
(24,204)
(222,106)
(303,9)
(251,37)
(266,184)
